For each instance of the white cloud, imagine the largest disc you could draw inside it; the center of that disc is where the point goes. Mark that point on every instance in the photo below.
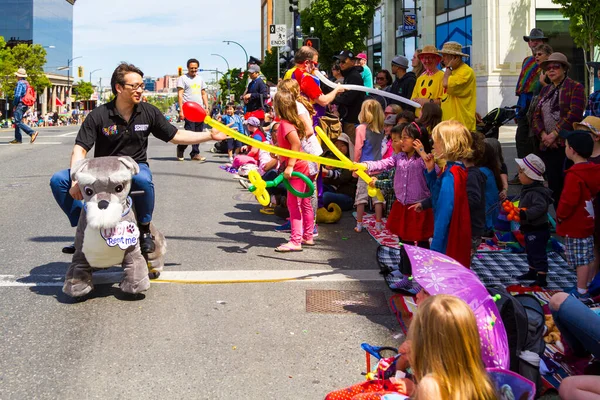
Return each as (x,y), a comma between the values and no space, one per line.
(159,35)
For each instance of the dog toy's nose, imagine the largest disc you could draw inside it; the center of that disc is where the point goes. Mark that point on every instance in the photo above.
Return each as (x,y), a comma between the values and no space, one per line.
(103,204)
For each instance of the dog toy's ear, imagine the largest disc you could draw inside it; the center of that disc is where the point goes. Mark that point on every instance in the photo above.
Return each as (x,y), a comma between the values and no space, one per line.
(79,165)
(131,165)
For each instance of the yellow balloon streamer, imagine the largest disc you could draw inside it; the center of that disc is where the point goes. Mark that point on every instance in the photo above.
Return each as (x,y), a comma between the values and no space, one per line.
(343,163)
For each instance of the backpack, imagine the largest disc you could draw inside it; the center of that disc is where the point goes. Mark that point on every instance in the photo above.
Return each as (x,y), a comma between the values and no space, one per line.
(30,96)
(331,126)
(524,321)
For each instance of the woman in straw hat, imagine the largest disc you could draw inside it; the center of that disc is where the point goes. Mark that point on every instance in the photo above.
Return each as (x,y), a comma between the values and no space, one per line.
(428,88)
(460,100)
(560,104)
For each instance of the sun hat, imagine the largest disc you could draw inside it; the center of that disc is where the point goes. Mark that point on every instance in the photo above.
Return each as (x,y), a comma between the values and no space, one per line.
(452,48)
(362,56)
(21,73)
(429,50)
(580,141)
(253,121)
(556,58)
(532,166)
(589,123)
(535,34)
(400,61)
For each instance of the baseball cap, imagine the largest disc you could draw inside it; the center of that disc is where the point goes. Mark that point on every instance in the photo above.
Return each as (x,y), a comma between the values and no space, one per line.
(590,123)
(254,68)
(390,120)
(400,61)
(253,121)
(344,54)
(580,141)
(362,55)
(532,166)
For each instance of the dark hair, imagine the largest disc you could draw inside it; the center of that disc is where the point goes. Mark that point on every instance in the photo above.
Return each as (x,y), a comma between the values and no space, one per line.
(477,147)
(397,129)
(336,67)
(431,115)
(407,115)
(118,77)
(490,160)
(388,76)
(192,60)
(416,131)
(304,53)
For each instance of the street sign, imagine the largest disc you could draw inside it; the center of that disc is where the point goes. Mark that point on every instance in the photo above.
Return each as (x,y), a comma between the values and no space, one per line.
(314,42)
(410,23)
(277,35)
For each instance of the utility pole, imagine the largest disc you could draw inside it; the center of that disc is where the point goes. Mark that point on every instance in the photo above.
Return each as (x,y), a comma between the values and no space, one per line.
(295,10)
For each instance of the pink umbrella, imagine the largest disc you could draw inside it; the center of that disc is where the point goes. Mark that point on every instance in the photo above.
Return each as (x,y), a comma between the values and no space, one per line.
(440,274)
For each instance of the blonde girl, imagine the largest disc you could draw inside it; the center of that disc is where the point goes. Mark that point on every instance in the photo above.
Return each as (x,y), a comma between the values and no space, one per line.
(445,352)
(289,134)
(369,136)
(452,143)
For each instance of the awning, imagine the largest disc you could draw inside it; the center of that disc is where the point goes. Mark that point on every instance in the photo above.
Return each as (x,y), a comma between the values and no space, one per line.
(58,102)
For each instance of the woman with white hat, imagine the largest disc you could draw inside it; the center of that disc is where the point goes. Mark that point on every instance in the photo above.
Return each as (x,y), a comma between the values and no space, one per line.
(20,108)
(560,104)
(428,88)
(461,91)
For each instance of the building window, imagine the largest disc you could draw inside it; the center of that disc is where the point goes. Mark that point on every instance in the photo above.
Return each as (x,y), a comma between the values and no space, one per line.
(443,6)
(556,28)
(459,30)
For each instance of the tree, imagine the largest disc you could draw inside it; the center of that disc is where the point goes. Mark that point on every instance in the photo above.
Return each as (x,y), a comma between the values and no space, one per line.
(30,57)
(83,90)
(162,103)
(269,66)
(584,16)
(238,81)
(340,24)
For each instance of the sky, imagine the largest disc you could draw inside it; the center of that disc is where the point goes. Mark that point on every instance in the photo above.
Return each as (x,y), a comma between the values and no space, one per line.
(158,39)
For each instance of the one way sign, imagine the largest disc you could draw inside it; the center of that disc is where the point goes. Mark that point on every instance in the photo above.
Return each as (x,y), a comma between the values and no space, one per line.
(277,35)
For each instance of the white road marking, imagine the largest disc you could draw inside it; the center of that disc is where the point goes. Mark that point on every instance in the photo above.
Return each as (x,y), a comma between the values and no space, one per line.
(68,134)
(208,277)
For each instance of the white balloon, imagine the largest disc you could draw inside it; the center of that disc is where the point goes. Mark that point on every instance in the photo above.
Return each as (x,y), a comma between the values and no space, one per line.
(365,89)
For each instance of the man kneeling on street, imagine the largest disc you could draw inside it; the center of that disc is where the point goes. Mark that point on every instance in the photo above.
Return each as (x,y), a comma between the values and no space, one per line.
(121,128)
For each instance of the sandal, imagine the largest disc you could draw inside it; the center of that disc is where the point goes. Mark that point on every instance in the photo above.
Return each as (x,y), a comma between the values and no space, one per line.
(288,248)
(267,211)
(309,244)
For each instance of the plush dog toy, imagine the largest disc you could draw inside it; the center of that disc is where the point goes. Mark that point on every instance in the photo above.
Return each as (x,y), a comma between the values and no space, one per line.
(107,233)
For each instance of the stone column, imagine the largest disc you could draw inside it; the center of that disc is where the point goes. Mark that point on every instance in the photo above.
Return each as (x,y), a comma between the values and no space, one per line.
(53,100)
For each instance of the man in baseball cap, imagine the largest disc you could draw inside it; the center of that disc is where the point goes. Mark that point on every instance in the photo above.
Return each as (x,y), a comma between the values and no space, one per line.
(404,83)
(349,102)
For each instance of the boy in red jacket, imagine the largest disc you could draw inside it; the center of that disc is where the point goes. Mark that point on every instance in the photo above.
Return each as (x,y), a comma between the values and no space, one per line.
(575,213)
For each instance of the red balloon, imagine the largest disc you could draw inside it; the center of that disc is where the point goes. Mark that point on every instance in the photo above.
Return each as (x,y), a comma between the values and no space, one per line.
(193,111)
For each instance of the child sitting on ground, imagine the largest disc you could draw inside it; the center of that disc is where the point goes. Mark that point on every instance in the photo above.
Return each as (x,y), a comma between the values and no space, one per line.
(534,203)
(452,222)
(369,135)
(575,212)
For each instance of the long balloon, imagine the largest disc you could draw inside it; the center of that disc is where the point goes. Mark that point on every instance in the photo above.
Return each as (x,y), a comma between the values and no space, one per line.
(365,89)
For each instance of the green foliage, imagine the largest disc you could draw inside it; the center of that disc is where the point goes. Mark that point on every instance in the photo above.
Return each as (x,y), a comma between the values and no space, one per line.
(340,24)
(584,16)
(162,103)
(83,90)
(30,57)
(269,66)
(238,84)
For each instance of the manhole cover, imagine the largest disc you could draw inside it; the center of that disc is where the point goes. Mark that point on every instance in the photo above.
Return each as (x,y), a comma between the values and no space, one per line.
(346,302)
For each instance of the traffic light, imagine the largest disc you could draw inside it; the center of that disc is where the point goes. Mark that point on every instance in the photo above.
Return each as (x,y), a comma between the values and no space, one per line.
(293,6)
(179,71)
(80,72)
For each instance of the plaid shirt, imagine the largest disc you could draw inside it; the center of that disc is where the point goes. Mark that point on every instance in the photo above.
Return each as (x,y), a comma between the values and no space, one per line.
(385,182)
(593,105)
(571,104)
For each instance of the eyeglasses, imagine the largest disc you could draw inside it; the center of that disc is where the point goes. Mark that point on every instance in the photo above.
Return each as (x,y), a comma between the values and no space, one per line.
(136,87)
(389,112)
(380,78)
(551,67)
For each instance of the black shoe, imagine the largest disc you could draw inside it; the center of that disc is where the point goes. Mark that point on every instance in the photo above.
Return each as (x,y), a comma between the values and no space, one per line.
(529,276)
(180,155)
(147,243)
(540,281)
(70,249)
(515,181)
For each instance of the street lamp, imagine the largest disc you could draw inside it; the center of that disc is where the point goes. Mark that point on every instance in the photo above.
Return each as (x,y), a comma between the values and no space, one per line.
(91,72)
(69,77)
(231,41)
(228,73)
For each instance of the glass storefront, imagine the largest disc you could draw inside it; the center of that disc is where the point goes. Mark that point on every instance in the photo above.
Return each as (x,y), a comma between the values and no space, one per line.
(374,41)
(53,26)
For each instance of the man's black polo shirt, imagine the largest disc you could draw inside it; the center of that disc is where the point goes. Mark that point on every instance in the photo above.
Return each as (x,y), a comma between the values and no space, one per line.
(113,136)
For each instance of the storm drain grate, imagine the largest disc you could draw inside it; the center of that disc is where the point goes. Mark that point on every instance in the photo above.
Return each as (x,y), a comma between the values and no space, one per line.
(346,302)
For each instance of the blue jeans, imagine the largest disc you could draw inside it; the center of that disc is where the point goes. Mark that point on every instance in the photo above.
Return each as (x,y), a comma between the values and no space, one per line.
(60,183)
(345,202)
(194,127)
(579,326)
(18,116)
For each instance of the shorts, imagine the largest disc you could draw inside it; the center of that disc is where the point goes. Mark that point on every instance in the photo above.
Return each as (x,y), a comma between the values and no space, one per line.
(579,251)
(362,194)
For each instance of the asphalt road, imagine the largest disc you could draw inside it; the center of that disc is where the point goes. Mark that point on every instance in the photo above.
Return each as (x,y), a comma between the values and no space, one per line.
(230,340)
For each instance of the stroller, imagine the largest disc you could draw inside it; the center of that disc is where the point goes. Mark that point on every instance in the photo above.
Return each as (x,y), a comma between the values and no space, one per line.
(491,123)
